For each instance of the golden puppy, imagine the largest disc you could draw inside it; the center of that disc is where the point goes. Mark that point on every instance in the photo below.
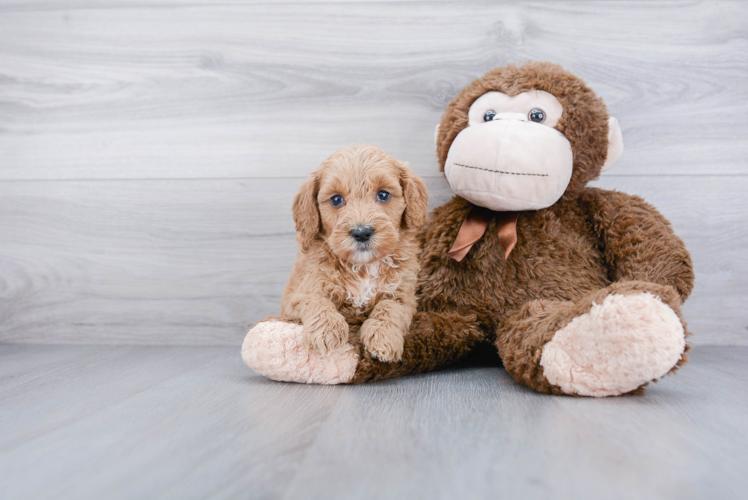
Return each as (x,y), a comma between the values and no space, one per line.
(356,219)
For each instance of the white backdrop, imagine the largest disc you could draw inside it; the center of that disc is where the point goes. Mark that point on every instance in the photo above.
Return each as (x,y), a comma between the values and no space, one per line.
(150,150)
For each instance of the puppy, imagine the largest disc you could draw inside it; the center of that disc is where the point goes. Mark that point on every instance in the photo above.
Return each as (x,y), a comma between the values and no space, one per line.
(356,219)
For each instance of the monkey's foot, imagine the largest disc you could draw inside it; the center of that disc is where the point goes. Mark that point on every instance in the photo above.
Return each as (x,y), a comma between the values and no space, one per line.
(274,349)
(618,346)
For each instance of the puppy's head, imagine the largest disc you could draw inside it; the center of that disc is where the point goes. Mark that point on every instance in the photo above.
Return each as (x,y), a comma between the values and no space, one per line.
(360,201)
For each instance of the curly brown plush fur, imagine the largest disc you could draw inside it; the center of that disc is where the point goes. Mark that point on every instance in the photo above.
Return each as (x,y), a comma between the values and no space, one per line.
(590,244)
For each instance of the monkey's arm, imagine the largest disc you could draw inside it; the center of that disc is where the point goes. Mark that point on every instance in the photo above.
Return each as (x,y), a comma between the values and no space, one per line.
(436,340)
(638,243)
(274,348)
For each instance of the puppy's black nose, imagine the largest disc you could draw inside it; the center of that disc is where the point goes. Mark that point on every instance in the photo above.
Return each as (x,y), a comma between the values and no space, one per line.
(362,233)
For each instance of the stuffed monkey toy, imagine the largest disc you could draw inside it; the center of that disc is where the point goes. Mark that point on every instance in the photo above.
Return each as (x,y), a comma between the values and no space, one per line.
(579,289)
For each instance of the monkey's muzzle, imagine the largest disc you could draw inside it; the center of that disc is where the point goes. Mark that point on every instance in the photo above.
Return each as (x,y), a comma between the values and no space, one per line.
(510,165)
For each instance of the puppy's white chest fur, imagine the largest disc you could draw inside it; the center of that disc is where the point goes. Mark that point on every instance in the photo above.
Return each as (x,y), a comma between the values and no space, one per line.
(363,289)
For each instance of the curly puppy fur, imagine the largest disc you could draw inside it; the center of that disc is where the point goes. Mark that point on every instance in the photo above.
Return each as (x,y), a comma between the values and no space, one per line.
(338,280)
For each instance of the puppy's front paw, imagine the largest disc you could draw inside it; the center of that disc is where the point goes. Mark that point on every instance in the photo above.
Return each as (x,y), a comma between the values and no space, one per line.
(326,333)
(383,340)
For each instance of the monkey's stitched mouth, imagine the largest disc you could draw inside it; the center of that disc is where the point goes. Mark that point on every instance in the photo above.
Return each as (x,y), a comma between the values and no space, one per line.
(499,171)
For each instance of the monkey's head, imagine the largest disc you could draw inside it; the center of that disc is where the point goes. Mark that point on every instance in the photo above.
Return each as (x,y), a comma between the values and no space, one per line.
(523,137)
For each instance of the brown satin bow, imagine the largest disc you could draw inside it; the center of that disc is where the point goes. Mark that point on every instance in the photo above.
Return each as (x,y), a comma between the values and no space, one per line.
(474,227)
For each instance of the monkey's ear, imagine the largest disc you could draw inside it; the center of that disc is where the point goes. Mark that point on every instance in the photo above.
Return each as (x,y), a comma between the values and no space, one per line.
(306,213)
(615,144)
(416,198)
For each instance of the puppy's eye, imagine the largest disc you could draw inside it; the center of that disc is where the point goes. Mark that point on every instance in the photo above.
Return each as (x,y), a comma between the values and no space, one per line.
(537,115)
(489,115)
(383,196)
(336,200)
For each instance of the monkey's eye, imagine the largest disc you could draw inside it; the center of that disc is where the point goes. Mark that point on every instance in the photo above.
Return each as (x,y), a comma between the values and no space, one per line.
(383,196)
(489,115)
(537,115)
(336,200)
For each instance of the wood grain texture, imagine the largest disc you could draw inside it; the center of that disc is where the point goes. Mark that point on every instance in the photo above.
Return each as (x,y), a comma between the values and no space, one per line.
(166,90)
(180,422)
(176,262)
(149,149)
(199,261)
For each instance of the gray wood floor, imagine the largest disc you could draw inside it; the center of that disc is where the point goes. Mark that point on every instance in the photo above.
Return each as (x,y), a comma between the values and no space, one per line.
(193,422)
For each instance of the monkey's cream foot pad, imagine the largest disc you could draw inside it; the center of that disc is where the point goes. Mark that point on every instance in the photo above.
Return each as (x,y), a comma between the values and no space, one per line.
(275,349)
(616,347)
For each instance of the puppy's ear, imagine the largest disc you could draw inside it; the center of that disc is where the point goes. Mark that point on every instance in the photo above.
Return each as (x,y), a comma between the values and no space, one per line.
(306,213)
(416,198)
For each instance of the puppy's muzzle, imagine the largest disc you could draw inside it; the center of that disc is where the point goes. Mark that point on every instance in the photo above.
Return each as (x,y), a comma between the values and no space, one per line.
(362,233)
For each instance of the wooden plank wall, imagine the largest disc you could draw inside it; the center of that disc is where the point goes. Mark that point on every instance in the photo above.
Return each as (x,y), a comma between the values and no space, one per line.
(149,150)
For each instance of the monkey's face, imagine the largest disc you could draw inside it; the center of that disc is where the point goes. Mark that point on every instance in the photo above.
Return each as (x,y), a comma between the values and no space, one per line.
(522,137)
(510,157)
